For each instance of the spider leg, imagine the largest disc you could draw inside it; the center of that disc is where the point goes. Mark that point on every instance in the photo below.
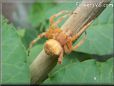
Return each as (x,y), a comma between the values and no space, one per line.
(80,43)
(60,57)
(68,47)
(56,15)
(34,41)
(68,13)
(60,19)
(54,24)
(81,31)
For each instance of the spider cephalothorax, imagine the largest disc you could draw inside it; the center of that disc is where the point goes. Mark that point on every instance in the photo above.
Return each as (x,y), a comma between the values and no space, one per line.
(58,41)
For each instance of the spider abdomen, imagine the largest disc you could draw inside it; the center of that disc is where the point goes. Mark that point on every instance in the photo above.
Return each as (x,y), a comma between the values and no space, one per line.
(52,47)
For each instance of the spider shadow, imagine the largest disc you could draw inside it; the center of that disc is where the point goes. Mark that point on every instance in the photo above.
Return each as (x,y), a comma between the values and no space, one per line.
(85,56)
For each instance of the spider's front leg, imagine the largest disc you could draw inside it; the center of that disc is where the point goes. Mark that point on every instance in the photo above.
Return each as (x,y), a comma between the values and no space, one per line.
(56,15)
(54,24)
(35,40)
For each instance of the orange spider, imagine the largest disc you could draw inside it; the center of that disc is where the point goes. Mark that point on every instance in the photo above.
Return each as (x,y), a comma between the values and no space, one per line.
(58,41)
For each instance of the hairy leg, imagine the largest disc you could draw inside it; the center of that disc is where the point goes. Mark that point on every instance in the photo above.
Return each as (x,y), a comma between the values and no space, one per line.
(55,24)
(60,20)
(60,57)
(80,42)
(66,14)
(56,15)
(81,31)
(68,47)
(34,41)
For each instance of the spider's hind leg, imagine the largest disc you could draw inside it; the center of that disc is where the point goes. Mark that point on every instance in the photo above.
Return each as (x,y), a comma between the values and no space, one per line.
(80,42)
(68,47)
(82,30)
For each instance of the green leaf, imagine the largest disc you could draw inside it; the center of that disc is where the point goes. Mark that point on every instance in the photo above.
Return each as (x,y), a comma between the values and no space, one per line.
(14,65)
(70,58)
(27,35)
(100,35)
(37,13)
(86,72)
(41,12)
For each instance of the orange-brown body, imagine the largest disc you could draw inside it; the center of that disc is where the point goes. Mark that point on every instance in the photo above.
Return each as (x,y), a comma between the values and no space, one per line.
(58,35)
